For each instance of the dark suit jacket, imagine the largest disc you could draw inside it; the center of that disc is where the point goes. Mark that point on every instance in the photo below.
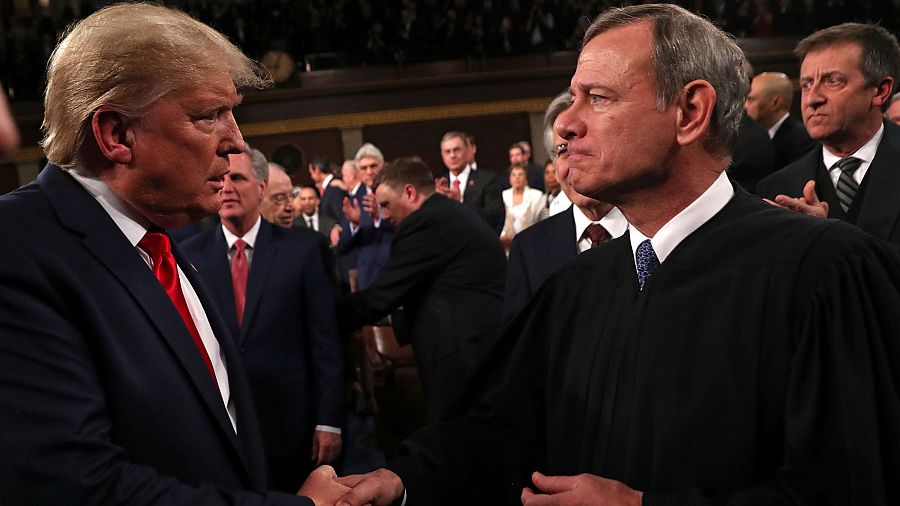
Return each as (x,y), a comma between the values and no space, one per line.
(875,209)
(537,253)
(446,269)
(326,223)
(482,195)
(753,157)
(791,142)
(371,245)
(105,399)
(332,202)
(288,341)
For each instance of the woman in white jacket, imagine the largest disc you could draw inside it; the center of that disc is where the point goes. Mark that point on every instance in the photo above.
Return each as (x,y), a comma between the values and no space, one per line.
(524,206)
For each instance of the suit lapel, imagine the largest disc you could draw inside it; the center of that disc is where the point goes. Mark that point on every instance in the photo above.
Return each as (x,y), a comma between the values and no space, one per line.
(219,279)
(79,212)
(264,251)
(881,205)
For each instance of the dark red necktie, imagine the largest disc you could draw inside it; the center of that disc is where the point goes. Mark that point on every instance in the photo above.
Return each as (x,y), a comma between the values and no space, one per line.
(597,233)
(156,244)
(239,270)
(456,188)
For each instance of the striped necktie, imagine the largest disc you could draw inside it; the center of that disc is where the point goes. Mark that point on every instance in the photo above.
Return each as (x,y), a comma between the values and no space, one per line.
(846,186)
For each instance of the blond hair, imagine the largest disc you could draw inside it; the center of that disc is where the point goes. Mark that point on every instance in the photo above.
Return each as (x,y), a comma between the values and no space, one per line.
(127,56)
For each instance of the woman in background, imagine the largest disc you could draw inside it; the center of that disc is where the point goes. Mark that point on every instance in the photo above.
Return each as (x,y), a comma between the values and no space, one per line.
(524,206)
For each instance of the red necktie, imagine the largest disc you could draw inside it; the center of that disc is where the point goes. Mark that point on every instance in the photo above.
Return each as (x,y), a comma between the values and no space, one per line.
(597,233)
(456,188)
(156,244)
(239,270)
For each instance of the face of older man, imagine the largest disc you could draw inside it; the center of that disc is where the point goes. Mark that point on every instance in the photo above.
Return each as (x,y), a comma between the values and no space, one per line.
(278,204)
(453,152)
(179,155)
(369,168)
(836,103)
(613,111)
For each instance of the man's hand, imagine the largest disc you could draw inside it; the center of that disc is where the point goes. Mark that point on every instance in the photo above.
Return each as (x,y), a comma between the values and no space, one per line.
(370,204)
(335,235)
(442,186)
(326,447)
(351,211)
(322,487)
(378,488)
(807,204)
(584,489)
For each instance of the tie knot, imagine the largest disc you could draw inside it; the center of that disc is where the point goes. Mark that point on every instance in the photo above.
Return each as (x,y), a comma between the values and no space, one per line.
(597,234)
(848,165)
(239,245)
(155,242)
(646,261)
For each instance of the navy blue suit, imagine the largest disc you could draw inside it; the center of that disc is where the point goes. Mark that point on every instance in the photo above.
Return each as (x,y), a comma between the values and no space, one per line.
(537,253)
(371,245)
(104,398)
(288,342)
(332,202)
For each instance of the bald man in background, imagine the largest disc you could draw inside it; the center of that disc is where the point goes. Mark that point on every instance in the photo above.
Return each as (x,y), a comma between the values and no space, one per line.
(769,104)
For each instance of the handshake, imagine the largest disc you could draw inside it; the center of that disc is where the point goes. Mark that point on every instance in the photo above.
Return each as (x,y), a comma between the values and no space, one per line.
(378,488)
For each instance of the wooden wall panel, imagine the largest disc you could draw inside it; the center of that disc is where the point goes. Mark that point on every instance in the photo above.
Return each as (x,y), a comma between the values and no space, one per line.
(312,144)
(492,133)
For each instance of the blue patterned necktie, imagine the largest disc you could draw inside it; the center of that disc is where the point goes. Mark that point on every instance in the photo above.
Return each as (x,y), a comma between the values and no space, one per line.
(646,261)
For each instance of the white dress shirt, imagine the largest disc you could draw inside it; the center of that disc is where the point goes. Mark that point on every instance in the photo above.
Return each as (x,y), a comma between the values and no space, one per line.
(134,227)
(866,153)
(613,221)
(560,203)
(463,178)
(772,131)
(687,221)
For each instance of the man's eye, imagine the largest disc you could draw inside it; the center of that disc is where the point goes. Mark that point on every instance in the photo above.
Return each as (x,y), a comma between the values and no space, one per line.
(597,99)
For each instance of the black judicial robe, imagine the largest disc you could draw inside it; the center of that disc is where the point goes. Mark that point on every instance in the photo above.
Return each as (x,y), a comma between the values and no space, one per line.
(759,365)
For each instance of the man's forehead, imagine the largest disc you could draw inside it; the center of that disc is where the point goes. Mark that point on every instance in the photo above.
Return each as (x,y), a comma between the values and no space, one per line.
(842,57)
(309,193)
(612,54)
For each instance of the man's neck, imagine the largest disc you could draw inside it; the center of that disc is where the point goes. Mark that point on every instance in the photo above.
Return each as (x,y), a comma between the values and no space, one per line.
(240,225)
(846,146)
(596,211)
(458,171)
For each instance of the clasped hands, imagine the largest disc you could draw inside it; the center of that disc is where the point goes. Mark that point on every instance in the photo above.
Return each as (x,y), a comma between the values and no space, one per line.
(382,487)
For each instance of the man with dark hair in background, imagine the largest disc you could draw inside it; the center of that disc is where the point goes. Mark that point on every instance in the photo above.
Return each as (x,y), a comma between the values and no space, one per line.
(332,194)
(847,76)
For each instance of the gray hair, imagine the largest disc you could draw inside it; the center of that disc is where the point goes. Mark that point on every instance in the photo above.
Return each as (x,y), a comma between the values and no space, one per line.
(127,56)
(556,107)
(259,162)
(879,49)
(369,150)
(453,135)
(685,48)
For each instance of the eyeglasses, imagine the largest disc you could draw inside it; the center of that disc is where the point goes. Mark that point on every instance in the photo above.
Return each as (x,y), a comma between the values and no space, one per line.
(280,199)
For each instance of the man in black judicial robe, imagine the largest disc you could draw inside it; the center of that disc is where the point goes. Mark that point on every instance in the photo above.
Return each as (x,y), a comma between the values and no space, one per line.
(678,388)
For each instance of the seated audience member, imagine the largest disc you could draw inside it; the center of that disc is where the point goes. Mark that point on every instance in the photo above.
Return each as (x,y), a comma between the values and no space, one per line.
(446,269)
(535,174)
(272,289)
(722,351)
(847,76)
(893,111)
(550,182)
(524,206)
(544,249)
(478,190)
(120,382)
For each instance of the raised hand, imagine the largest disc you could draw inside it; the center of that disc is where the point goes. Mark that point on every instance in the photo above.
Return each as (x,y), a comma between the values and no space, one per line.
(583,489)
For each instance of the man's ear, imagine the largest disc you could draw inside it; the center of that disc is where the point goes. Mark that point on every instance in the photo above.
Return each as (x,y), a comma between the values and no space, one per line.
(113,134)
(410,192)
(883,92)
(695,106)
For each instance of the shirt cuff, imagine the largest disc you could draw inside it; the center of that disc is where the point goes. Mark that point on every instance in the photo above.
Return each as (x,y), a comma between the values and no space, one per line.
(328,428)
(354,229)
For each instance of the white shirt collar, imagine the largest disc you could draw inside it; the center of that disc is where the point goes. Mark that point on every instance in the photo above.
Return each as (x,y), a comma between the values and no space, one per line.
(866,153)
(326,181)
(249,237)
(613,221)
(777,125)
(463,176)
(688,220)
(356,188)
(473,165)
(129,221)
